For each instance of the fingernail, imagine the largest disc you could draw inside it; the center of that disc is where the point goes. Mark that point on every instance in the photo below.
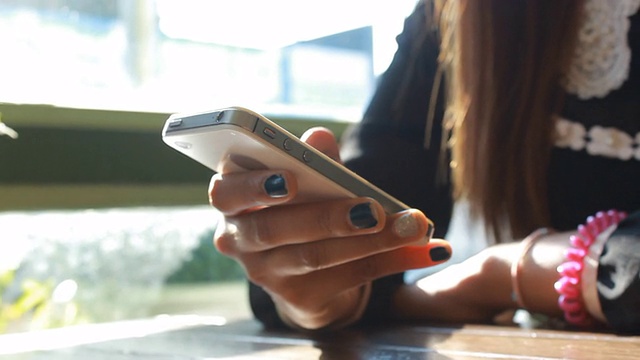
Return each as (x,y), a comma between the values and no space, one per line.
(362,216)
(406,226)
(439,253)
(276,186)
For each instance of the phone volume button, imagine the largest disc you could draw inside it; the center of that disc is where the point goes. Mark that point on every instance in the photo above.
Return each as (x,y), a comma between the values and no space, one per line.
(307,156)
(287,144)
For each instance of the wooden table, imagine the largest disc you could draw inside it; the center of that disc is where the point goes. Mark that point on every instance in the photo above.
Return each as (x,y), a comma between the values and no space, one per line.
(191,337)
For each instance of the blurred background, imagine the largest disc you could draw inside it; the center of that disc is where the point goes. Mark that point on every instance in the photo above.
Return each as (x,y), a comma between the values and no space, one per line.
(168,56)
(99,220)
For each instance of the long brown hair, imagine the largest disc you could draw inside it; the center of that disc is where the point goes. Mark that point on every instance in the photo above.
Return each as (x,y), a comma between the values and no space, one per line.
(504,61)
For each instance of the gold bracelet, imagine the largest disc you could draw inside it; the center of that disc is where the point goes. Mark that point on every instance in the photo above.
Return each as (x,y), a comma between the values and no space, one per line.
(516,265)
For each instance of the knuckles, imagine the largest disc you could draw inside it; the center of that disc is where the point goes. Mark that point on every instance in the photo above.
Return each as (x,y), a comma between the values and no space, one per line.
(258,230)
(224,239)
(311,258)
(214,189)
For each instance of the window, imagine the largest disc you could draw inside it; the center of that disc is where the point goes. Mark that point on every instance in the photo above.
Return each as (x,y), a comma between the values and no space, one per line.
(285,56)
(293,57)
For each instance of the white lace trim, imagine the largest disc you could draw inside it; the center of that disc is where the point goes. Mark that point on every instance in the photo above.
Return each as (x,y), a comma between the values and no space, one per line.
(598,141)
(602,57)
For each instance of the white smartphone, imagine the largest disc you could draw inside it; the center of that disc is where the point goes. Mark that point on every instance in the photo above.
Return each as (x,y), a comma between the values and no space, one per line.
(237,139)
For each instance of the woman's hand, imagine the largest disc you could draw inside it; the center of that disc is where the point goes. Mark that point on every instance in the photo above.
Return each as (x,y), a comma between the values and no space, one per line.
(316,260)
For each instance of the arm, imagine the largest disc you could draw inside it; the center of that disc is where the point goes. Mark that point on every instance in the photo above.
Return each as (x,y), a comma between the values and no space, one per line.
(480,288)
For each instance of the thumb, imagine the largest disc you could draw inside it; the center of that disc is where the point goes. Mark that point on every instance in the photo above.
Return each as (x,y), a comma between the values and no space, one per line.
(322,139)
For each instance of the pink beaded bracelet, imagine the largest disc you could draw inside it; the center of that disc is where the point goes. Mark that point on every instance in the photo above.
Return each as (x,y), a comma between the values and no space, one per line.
(569,284)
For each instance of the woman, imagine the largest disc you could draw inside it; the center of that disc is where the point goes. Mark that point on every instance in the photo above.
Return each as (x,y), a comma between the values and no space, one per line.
(525,115)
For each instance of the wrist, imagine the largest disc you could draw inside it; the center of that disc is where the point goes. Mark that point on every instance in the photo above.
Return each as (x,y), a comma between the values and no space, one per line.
(518,264)
(335,316)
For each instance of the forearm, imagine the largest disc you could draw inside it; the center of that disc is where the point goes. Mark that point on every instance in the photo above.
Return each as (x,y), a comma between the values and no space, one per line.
(479,288)
(452,295)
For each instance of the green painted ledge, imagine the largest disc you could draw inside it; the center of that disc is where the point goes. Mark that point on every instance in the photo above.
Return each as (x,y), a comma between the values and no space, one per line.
(27,115)
(67,158)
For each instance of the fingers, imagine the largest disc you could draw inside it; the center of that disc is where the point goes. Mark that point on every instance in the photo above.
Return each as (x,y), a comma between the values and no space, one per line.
(234,193)
(323,140)
(301,223)
(295,290)
(401,230)
(312,251)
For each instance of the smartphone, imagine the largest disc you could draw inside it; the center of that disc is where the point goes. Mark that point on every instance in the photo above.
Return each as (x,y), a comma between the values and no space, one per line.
(237,139)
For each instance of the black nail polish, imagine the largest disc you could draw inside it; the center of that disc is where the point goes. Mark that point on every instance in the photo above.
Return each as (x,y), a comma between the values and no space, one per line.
(276,186)
(439,253)
(362,217)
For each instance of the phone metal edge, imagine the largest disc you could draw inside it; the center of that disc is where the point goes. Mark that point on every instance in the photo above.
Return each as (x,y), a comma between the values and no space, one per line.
(316,160)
